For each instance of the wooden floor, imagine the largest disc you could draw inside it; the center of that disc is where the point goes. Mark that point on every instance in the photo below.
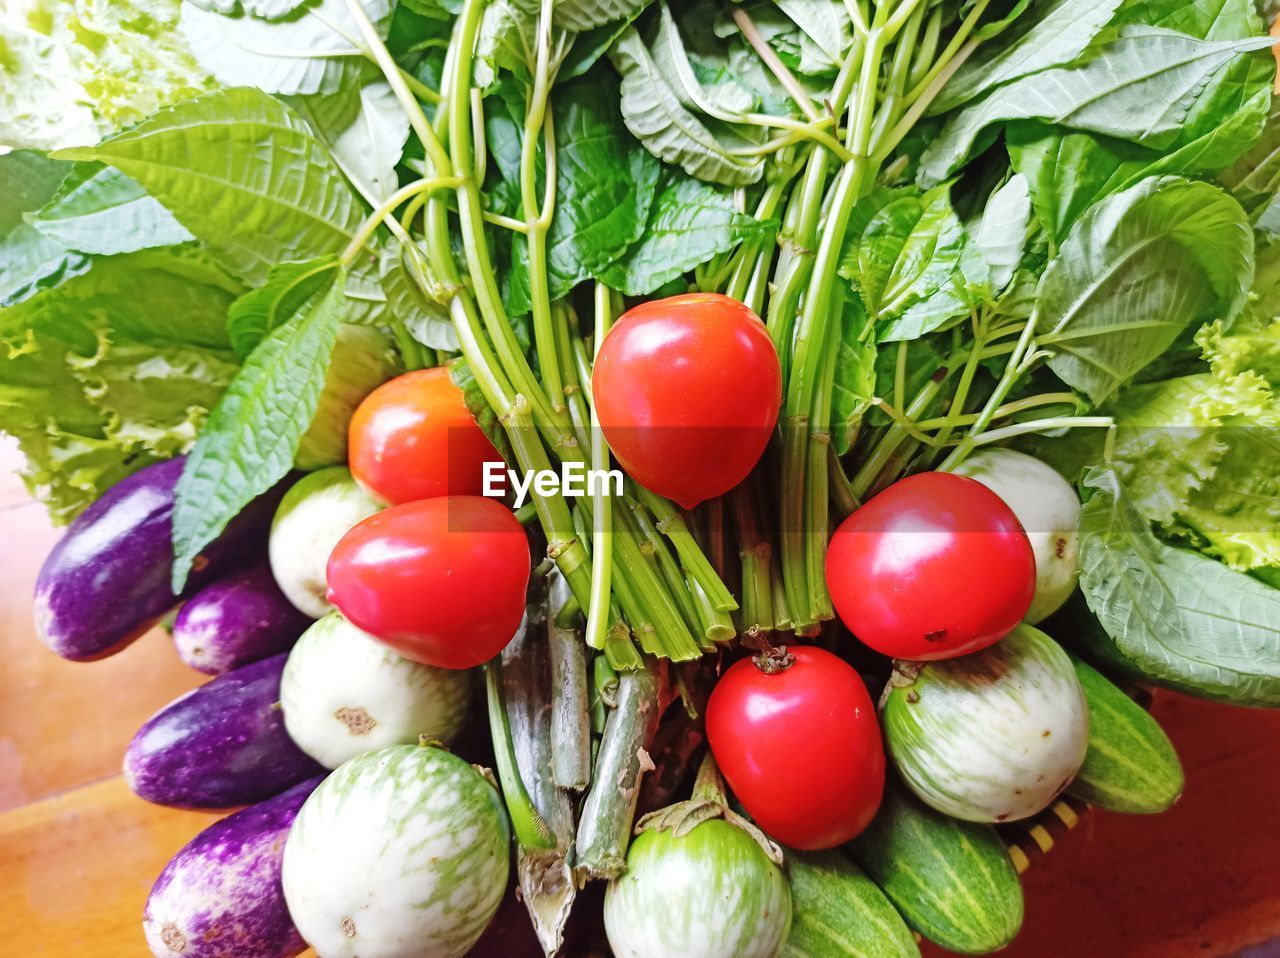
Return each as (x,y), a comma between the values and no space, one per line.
(78,852)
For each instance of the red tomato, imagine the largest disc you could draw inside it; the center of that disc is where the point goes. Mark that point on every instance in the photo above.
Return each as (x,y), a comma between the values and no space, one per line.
(441,581)
(800,746)
(414,438)
(688,390)
(933,567)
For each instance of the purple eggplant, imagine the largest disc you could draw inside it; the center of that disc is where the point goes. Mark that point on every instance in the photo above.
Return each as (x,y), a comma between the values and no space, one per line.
(220,896)
(107,580)
(220,746)
(239,619)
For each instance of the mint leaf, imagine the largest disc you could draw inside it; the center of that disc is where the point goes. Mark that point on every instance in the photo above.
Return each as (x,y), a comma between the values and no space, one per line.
(252,435)
(243,173)
(691,222)
(97,209)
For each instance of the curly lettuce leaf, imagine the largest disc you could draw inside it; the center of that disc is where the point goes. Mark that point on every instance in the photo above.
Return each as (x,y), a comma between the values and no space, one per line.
(72,71)
(98,379)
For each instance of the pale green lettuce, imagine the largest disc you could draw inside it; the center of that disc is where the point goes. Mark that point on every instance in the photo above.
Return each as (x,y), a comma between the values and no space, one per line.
(72,71)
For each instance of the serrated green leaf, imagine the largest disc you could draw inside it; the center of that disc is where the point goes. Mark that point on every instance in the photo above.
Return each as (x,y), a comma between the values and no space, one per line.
(605,188)
(1139,88)
(690,223)
(654,114)
(365,128)
(902,249)
(826,32)
(288,287)
(1136,271)
(855,380)
(252,436)
(406,282)
(581,15)
(243,173)
(314,50)
(30,260)
(1060,32)
(98,209)
(1001,235)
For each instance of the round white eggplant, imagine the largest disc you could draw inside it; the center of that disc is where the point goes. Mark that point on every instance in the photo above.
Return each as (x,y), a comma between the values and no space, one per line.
(400,853)
(989,737)
(1048,509)
(343,693)
(314,514)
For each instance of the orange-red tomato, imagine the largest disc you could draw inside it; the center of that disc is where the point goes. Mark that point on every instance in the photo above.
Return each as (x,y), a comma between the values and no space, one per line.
(688,390)
(800,746)
(414,438)
(935,566)
(442,581)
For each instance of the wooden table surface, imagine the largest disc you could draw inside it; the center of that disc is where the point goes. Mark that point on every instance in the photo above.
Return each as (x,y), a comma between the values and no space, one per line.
(78,852)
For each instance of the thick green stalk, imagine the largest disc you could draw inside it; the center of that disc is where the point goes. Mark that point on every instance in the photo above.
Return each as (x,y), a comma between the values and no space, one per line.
(531,829)
(570,722)
(755,552)
(694,560)
(601,506)
(604,831)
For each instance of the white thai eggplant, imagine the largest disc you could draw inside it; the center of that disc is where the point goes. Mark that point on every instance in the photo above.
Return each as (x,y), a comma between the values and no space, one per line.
(700,880)
(362,361)
(1048,509)
(343,693)
(400,853)
(988,737)
(314,514)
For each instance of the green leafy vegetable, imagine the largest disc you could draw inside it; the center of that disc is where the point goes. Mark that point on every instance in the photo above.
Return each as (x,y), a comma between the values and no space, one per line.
(30,259)
(1137,270)
(1172,615)
(690,223)
(97,209)
(1139,88)
(243,173)
(113,369)
(252,435)
(314,51)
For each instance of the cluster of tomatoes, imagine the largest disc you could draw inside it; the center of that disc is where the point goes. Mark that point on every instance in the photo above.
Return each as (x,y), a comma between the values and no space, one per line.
(688,391)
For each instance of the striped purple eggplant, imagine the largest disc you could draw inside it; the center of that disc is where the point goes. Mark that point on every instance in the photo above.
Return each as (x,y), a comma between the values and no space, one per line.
(107,580)
(220,746)
(220,896)
(239,619)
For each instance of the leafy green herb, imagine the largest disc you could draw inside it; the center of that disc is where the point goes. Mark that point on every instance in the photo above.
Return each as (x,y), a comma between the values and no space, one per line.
(243,173)
(1136,270)
(690,223)
(97,209)
(252,435)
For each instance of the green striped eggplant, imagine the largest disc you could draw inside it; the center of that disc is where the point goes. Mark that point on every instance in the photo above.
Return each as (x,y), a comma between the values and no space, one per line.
(990,737)
(400,853)
(1131,765)
(838,912)
(952,881)
(700,881)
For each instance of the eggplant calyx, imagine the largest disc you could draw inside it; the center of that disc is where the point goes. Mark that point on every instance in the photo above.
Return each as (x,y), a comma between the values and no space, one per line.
(707,804)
